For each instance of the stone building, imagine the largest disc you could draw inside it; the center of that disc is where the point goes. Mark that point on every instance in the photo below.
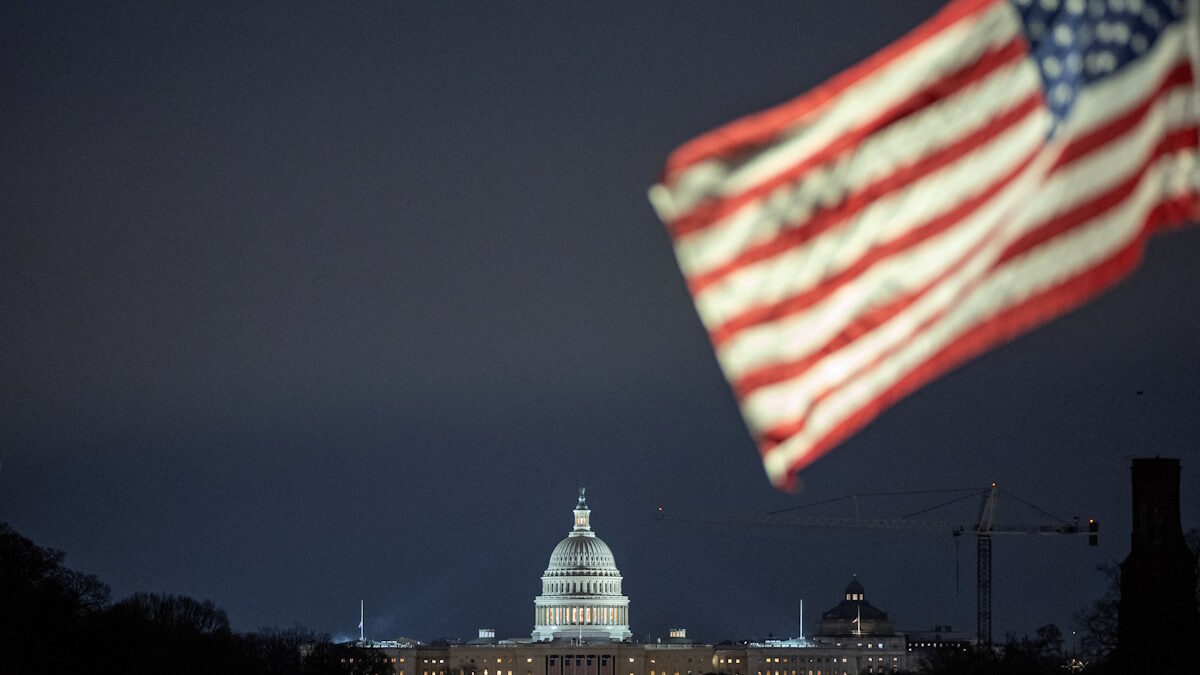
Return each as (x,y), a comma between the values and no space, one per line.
(604,657)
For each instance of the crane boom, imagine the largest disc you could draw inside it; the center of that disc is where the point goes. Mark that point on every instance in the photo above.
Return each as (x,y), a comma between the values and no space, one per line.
(934,526)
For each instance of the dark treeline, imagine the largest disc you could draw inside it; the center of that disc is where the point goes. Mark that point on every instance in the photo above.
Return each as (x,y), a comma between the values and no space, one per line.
(56,620)
(1039,655)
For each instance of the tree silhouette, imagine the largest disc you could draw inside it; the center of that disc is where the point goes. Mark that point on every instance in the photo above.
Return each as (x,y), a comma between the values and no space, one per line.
(55,620)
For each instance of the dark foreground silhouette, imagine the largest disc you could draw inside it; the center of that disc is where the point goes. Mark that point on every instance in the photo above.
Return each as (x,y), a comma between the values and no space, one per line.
(56,620)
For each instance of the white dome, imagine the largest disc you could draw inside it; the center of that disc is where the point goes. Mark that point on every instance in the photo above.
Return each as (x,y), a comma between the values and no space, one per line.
(581,554)
(581,588)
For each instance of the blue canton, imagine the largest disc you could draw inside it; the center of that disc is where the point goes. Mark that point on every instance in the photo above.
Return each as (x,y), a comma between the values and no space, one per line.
(1076,42)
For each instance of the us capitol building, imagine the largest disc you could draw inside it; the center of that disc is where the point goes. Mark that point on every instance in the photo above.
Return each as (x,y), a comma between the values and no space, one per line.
(581,627)
(581,589)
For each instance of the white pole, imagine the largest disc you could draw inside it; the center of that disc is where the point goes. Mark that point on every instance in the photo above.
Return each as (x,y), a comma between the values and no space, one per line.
(361,617)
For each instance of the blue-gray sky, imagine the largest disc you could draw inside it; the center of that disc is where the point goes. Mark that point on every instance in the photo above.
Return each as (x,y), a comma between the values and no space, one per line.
(308,303)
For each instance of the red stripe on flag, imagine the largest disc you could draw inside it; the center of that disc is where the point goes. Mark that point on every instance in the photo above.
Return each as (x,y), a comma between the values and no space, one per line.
(862,325)
(854,204)
(801,301)
(1181,74)
(710,210)
(773,374)
(1005,326)
(760,128)
(1074,218)
(1076,149)
(1173,142)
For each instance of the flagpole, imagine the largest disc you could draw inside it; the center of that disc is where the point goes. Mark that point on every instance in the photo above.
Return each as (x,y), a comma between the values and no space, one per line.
(360,620)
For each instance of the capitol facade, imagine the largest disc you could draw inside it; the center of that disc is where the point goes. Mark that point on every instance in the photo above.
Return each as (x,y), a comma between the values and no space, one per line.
(581,588)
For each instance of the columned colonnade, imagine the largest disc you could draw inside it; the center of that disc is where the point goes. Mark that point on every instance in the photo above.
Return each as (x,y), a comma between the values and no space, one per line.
(585,616)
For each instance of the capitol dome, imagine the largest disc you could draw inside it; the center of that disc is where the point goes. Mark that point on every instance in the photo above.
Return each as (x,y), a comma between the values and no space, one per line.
(581,587)
(579,553)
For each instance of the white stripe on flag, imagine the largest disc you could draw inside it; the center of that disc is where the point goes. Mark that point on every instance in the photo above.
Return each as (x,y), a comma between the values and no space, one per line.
(777,404)
(951,49)
(1008,286)
(885,220)
(757,285)
(794,337)
(895,147)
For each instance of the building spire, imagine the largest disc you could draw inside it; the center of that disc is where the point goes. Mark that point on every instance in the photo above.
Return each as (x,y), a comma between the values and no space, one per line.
(583,524)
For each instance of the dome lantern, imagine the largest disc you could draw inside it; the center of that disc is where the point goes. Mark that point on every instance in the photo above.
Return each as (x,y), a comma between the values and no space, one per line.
(583,524)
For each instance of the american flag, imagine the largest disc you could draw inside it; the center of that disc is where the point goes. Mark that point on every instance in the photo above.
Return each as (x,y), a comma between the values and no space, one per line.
(993,169)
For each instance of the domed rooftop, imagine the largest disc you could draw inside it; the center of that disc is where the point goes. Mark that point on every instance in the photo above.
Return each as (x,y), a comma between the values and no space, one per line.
(576,554)
(582,552)
(854,615)
(581,587)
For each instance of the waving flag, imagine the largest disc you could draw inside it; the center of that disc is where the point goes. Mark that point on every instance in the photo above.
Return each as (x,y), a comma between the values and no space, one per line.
(993,169)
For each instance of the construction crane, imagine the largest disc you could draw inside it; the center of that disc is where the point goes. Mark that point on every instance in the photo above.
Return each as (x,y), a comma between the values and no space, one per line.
(984,528)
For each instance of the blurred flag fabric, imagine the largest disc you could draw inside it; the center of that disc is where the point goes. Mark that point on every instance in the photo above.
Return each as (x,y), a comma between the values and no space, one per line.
(995,168)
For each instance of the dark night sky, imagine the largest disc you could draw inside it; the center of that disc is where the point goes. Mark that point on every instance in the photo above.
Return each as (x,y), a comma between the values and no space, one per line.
(303,304)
